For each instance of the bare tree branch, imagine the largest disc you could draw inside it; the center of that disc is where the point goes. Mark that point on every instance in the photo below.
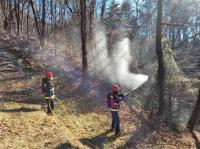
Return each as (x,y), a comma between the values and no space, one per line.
(186,40)
(70,9)
(172,24)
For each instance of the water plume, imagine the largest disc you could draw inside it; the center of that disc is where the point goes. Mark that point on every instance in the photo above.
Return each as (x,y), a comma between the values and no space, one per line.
(115,65)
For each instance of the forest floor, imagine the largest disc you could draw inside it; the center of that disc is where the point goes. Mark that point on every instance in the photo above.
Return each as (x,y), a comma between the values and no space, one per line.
(80,120)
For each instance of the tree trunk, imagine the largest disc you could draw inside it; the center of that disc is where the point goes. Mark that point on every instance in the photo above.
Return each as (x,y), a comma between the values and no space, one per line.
(10,17)
(27,21)
(55,29)
(185,35)
(17,14)
(51,12)
(35,18)
(83,38)
(159,53)
(22,15)
(172,20)
(173,38)
(103,5)
(5,20)
(92,8)
(191,123)
(43,22)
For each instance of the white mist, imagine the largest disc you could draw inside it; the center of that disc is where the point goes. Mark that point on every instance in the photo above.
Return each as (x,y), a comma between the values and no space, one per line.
(114,67)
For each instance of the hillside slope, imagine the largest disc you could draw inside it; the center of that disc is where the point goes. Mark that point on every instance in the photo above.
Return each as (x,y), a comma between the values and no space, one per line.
(80,120)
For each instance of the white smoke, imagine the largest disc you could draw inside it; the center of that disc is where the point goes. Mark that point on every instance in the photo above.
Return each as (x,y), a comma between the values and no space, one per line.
(111,66)
(114,66)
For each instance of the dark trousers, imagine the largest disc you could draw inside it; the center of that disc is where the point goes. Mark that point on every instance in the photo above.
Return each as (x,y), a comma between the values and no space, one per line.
(115,121)
(50,105)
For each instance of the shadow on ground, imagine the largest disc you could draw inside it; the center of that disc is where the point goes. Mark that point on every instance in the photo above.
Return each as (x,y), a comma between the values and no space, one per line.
(137,138)
(143,129)
(65,146)
(98,141)
(18,110)
(197,143)
(23,96)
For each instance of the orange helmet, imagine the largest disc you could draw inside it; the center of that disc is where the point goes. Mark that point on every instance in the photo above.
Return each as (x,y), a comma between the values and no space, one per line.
(115,88)
(48,74)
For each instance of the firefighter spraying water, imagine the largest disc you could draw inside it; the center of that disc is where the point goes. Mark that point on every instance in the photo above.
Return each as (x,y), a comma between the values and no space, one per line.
(113,103)
(113,100)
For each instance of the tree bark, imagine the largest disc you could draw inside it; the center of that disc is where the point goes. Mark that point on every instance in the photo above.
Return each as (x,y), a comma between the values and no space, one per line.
(103,5)
(5,20)
(51,12)
(43,22)
(35,18)
(159,53)
(92,9)
(191,123)
(83,38)
(27,20)
(10,17)
(22,15)
(17,14)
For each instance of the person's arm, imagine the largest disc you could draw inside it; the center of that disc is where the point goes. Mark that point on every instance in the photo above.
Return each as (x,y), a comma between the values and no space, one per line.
(52,91)
(121,96)
(48,89)
(43,86)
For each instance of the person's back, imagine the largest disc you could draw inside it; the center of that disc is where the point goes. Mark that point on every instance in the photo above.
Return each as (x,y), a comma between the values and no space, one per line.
(113,100)
(48,91)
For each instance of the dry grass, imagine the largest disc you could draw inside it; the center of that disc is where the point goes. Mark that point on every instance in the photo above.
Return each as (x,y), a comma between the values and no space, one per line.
(24,123)
(34,130)
(81,121)
(27,126)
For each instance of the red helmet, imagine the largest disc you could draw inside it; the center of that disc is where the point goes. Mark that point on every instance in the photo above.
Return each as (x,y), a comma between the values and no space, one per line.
(115,88)
(48,74)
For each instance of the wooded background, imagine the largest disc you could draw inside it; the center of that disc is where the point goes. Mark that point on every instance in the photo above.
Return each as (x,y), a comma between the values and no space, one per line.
(135,18)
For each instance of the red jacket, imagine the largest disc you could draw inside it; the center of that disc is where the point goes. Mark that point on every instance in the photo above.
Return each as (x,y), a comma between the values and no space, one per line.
(113,101)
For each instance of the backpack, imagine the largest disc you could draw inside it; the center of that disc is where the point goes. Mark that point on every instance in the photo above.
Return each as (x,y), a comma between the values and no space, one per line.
(110,100)
(43,85)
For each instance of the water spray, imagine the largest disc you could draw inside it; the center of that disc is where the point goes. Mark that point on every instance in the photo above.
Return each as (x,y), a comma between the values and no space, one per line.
(126,93)
(116,66)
